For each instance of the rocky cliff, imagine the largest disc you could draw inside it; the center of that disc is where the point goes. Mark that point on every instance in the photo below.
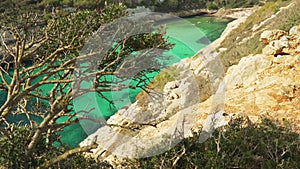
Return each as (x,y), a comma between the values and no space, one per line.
(268,84)
(202,97)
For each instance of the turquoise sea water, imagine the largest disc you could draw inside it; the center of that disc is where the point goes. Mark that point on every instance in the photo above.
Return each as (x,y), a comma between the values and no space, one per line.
(188,36)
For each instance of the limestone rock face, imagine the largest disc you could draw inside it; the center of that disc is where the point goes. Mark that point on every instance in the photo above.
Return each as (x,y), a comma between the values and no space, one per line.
(203,97)
(274,93)
(279,42)
(154,124)
(273,87)
(246,72)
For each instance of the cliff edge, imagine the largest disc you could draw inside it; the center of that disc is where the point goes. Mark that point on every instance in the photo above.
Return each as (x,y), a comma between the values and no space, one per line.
(204,95)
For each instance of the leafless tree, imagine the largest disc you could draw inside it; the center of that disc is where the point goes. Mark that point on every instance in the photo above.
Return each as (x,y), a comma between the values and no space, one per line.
(40,52)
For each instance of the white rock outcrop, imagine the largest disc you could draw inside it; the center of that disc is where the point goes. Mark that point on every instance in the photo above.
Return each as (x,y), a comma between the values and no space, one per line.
(263,84)
(246,72)
(267,36)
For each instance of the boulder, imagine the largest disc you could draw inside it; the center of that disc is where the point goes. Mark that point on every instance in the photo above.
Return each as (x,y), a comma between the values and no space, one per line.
(295,31)
(246,71)
(267,36)
(275,47)
(270,50)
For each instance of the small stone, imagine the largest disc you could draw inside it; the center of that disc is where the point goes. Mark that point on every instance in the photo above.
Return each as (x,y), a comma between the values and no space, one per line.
(295,31)
(284,38)
(222,49)
(276,47)
(279,59)
(170,86)
(279,44)
(175,94)
(269,50)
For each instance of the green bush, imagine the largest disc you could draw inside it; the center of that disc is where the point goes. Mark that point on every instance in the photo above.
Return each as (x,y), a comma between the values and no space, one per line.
(211,5)
(243,41)
(12,151)
(264,145)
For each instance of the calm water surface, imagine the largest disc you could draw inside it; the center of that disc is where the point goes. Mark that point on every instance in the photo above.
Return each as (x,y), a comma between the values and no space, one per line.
(188,36)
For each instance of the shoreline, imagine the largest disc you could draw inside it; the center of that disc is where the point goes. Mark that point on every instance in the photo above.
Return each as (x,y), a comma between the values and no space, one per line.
(193,13)
(193,64)
(239,16)
(234,13)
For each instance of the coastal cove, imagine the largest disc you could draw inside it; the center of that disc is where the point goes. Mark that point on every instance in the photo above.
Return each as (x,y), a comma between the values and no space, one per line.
(188,35)
(149,84)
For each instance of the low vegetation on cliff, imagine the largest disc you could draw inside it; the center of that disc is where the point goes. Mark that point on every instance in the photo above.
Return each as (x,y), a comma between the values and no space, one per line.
(271,142)
(239,145)
(245,38)
(268,142)
(39,55)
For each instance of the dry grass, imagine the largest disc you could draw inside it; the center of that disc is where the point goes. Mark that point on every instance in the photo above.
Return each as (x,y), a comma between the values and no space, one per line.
(157,84)
(237,48)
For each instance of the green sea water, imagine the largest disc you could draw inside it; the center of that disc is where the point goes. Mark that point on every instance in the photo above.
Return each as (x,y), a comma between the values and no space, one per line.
(188,36)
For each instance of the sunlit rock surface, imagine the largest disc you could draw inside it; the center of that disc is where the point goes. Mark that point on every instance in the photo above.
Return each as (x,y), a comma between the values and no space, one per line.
(203,98)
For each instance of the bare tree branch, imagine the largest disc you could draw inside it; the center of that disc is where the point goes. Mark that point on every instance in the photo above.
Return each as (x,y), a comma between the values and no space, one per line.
(45,53)
(66,155)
